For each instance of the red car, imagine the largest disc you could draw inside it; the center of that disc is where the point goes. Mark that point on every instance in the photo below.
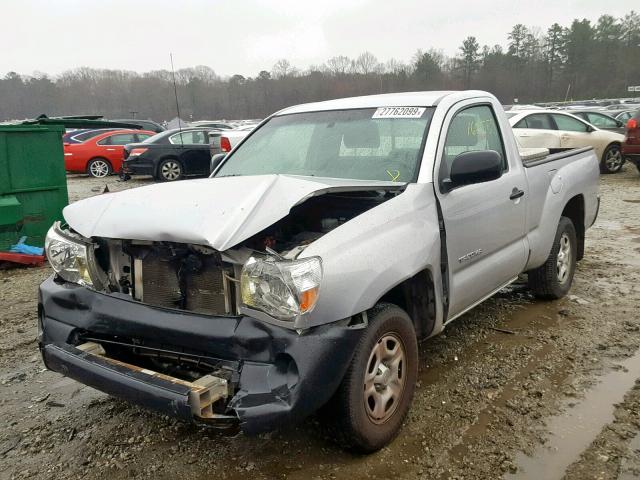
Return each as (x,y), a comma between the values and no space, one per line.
(101,154)
(631,144)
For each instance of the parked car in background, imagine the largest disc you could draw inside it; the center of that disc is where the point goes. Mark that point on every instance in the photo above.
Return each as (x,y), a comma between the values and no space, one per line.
(230,138)
(247,127)
(622,106)
(625,115)
(213,124)
(555,129)
(101,153)
(631,144)
(148,125)
(326,246)
(83,134)
(600,120)
(170,155)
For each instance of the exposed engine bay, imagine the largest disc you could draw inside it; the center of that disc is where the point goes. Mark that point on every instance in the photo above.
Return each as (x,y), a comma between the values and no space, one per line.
(200,279)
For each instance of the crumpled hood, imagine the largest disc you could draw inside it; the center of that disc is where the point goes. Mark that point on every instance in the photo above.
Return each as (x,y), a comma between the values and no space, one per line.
(218,212)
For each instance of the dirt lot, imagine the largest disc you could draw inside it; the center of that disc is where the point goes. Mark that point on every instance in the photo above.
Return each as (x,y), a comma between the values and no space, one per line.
(516,388)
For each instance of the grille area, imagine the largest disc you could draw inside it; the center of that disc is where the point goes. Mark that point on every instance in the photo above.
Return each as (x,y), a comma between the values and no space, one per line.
(205,291)
(160,284)
(184,279)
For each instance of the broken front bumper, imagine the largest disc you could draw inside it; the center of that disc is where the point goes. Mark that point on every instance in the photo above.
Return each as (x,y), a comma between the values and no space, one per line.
(279,376)
(171,396)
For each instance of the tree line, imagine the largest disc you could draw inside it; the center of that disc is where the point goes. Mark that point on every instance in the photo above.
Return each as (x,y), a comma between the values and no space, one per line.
(582,60)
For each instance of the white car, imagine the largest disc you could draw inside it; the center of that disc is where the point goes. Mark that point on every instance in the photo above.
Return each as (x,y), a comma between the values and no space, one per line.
(553,129)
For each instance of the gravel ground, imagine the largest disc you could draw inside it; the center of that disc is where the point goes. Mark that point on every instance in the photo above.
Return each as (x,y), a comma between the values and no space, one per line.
(514,387)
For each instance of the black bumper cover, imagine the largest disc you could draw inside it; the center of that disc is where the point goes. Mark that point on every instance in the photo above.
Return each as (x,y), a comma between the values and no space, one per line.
(138,167)
(282,376)
(160,395)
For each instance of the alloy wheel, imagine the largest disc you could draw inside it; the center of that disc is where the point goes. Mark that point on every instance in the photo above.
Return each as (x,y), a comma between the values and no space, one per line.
(613,159)
(171,170)
(99,168)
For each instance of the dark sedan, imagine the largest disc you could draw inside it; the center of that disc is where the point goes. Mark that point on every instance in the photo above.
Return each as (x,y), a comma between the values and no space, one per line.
(170,155)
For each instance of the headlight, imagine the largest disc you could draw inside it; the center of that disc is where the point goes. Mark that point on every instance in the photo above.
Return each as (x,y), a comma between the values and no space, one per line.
(70,257)
(283,289)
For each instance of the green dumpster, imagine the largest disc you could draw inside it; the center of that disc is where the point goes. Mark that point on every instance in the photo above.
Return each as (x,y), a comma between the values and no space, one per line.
(33,183)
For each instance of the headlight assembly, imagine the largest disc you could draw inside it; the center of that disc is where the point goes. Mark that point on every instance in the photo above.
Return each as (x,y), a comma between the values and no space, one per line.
(283,289)
(71,257)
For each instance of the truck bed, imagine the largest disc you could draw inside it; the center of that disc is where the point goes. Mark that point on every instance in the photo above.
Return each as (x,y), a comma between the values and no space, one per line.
(554,179)
(532,157)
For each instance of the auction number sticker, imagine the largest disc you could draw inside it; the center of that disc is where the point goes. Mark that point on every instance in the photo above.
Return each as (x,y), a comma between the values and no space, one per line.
(399,112)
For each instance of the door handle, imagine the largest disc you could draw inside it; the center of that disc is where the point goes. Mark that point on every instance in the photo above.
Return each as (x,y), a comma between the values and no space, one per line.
(516,193)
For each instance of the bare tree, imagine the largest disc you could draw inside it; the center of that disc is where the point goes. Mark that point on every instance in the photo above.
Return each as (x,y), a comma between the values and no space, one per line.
(339,65)
(366,63)
(282,68)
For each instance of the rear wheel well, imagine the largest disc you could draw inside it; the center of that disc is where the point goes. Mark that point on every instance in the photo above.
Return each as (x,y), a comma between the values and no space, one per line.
(574,211)
(416,296)
(612,144)
(99,158)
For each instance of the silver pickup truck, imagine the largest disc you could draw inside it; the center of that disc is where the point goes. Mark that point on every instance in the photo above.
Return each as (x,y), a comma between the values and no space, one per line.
(304,272)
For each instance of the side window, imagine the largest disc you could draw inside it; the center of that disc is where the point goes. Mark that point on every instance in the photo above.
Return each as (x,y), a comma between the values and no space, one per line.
(601,120)
(193,137)
(539,121)
(472,129)
(142,136)
(119,139)
(564,122)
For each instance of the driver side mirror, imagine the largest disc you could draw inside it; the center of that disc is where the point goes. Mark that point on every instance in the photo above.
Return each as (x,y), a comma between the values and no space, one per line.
(216,160)
(475,167)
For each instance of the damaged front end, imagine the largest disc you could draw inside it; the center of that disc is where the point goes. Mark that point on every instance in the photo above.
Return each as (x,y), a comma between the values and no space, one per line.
(201,334)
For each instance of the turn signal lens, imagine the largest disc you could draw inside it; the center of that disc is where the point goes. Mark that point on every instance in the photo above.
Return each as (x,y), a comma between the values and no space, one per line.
(308,299)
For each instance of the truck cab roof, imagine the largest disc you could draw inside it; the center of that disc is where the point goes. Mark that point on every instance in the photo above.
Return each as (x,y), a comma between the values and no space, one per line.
(405,99)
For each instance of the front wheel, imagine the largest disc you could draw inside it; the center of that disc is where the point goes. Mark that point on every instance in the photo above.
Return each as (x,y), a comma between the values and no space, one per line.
(612,159)
(553,279)
(376,392)
(99,168)
(169,170)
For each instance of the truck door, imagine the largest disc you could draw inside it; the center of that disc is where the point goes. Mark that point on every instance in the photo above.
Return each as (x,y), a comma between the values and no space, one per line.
(484,222)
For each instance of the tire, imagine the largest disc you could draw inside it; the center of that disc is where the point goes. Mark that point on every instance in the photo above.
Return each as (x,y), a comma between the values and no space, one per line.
(359,425)
(551,281)
(612,159)
(99,168)
(169,170)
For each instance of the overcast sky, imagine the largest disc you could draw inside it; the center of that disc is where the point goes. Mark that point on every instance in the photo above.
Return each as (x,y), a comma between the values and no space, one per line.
(246,36)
